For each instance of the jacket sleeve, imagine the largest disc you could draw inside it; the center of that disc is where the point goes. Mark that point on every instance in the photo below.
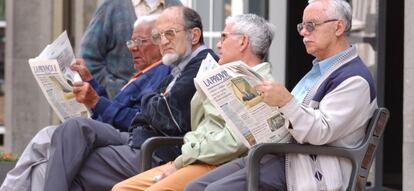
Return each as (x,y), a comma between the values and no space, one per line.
(336,118)
(212,142)
(98,88)
(121,110)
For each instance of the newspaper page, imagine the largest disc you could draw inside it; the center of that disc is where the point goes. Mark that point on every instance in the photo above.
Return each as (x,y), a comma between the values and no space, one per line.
(230,88)
(52,73)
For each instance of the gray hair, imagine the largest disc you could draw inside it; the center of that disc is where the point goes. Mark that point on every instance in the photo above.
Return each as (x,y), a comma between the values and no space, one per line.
(146,19)
(340,9)
(259,31)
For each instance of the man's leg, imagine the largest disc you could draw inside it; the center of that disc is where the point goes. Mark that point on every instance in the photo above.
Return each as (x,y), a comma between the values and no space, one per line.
(38,177)
(179,179)
(175,182)
(232,176)
(36,153)
(141,181)
(71,145)
(105,167)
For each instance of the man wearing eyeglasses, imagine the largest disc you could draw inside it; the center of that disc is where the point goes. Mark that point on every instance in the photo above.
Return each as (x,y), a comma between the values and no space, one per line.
(89,155)
(119,112)
(331,105)
(210,143)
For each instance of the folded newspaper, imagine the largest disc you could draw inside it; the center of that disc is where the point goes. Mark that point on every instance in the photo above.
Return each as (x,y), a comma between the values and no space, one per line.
(230,88)
(52,73)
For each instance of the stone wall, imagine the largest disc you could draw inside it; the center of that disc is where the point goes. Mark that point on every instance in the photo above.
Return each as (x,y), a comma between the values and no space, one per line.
(30,27)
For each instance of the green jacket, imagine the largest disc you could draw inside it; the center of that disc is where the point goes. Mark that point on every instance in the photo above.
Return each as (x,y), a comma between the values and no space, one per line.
(209,140)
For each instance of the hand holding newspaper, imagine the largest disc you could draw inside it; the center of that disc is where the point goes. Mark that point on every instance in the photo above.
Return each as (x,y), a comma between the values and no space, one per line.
(230,88)
(55,78)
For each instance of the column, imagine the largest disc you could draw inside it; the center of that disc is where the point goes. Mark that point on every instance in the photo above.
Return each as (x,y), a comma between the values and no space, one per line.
(408,110)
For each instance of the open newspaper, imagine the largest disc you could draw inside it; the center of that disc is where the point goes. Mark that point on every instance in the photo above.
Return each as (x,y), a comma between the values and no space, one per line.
(52,73)
(230,87)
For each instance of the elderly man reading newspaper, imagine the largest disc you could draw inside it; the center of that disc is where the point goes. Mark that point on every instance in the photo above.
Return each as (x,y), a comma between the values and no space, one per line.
(331,105)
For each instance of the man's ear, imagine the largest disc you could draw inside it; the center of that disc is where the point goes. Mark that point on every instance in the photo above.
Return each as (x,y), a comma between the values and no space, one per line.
(195,35)
(244,42)
(340,28)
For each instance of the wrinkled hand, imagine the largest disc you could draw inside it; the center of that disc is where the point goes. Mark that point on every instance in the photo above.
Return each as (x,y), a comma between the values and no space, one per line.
(169,170)
(274,93)
(81,68)
(84,93)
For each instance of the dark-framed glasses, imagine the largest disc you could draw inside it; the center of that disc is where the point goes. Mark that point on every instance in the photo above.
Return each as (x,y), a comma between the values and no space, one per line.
(225,35)
(310,25)
(168,34)
(136,42)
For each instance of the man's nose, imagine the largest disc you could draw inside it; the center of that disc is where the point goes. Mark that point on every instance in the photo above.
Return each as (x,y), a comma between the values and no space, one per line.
(218,45)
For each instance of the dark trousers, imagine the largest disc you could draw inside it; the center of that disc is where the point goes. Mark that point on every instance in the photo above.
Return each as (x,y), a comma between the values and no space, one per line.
(232,176)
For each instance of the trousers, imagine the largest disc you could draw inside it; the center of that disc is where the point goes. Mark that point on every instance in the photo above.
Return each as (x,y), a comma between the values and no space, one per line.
(232,176)
(30,169)
(86,154)
(174,182)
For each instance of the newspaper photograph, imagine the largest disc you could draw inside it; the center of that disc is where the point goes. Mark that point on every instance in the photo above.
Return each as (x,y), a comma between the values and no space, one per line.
(230,87)
(52,73)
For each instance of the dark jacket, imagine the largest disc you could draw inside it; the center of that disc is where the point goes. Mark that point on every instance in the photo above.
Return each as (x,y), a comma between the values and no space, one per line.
(155,118)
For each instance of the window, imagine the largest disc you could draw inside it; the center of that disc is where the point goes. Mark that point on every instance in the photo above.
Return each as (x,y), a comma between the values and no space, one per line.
(213,14)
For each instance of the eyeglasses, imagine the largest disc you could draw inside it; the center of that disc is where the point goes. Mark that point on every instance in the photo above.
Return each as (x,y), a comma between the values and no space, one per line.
(225,35)
(310,26)
(168,34)
(136,42)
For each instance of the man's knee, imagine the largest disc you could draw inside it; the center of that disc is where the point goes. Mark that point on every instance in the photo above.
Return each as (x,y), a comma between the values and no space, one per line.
(74,125)
(44,134)
(194,186)
(118,187)
(216,186)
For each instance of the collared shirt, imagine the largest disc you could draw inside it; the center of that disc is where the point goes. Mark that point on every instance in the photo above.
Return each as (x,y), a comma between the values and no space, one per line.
(318,69)
(177,69)
(143,7)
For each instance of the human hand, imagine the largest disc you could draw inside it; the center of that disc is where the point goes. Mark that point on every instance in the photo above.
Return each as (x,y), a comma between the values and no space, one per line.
(84,93)
(274,93)
(81,68)
(170,169)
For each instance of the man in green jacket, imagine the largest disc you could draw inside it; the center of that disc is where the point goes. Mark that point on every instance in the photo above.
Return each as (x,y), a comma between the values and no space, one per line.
(210,143)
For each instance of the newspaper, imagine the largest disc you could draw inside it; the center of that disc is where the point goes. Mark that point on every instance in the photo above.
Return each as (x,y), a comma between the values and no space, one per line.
(230,88)
(52,73)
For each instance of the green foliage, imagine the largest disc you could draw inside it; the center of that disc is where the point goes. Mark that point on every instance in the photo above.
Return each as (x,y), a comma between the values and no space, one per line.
(6,156)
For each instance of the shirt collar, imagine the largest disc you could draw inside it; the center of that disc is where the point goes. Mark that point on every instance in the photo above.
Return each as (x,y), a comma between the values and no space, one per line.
(325,64)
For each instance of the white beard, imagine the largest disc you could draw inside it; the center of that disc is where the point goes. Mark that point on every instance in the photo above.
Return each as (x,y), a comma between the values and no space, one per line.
(175,59)
(170,59)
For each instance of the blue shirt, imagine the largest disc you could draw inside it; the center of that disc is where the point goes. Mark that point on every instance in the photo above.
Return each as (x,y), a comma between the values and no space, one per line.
(318,69)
